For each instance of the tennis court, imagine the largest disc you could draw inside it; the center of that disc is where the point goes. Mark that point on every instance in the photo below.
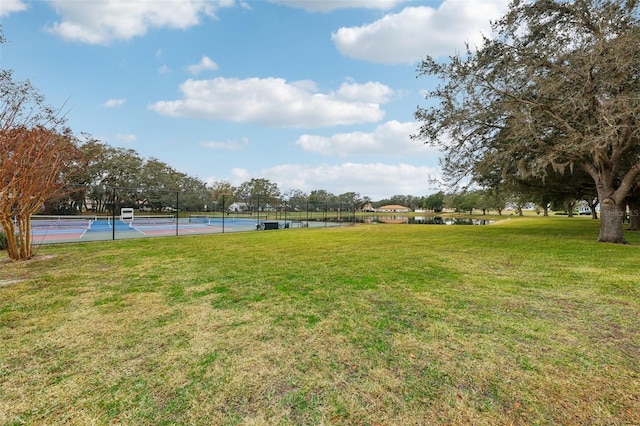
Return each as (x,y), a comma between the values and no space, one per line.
(62,229)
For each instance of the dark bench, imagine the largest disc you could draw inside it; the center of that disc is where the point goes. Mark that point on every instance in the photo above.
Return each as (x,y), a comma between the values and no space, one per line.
(268,225)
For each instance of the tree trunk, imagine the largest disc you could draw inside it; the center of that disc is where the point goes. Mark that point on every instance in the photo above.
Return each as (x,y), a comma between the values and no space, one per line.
(12,242)
(612,201)
(611,219)
(570,206)
(634,215)
(592,205)
(24,232)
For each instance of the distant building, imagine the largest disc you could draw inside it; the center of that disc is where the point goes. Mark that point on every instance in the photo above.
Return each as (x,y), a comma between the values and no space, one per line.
(237,207)
(368,208)
(393,208)
(583,207)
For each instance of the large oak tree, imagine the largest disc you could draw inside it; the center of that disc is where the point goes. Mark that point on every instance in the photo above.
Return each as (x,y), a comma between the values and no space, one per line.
(557,86)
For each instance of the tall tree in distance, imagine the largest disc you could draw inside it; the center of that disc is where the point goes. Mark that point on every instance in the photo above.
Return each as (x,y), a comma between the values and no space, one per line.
(557,87)
(221,194)
(295,199)
(258,193)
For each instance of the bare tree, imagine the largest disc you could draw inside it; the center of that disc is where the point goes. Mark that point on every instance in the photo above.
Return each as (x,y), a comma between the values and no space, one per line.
(34,168)
(36,153)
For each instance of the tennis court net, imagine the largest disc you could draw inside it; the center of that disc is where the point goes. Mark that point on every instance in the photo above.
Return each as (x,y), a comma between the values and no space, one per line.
(152,220)
(44,221)
(195,218)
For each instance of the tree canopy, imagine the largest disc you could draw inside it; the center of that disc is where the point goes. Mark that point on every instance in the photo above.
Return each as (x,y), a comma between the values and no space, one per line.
(259,190)
(557,87)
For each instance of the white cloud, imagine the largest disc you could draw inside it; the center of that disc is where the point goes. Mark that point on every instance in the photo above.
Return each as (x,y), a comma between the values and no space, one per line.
(205,64)
(368,92)
(126,138)
(415,32)
(12,6)
(102,21)
(114,103)
(391,139)
(328,5)
(275,102)
(226,145)
(164,69)
(375,180)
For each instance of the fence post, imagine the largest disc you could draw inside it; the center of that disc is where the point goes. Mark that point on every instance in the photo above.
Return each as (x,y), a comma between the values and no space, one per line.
(177,211)
(113,214)
(258,213)
(326,208)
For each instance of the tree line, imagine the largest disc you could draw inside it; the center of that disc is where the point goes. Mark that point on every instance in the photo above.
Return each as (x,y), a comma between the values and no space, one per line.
(112,178)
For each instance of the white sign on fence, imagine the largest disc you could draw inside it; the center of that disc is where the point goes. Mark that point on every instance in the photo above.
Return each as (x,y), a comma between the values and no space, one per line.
(126,214)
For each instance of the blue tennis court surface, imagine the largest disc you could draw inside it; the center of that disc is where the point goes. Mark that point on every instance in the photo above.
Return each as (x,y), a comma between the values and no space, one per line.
(109,229)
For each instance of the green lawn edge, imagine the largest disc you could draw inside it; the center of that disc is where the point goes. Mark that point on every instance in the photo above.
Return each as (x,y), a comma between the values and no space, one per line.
(526,321)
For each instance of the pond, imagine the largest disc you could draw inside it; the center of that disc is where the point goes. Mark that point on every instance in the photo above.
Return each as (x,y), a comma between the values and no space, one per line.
(424,220)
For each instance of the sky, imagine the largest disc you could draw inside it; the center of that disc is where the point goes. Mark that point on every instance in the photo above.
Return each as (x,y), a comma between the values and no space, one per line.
(309,94)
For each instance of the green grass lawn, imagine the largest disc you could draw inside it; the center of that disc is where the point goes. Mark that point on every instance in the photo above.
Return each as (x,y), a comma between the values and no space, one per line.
(527,321)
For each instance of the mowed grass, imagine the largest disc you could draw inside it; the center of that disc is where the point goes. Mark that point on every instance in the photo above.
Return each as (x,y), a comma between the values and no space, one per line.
(527,321)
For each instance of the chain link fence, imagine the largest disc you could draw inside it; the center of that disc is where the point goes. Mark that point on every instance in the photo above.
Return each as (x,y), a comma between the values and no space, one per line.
(111,213)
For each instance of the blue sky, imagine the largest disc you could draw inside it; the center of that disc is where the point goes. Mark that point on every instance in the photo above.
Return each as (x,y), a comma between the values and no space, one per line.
(310,94)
